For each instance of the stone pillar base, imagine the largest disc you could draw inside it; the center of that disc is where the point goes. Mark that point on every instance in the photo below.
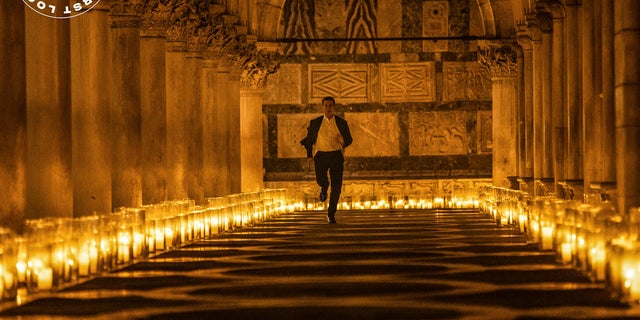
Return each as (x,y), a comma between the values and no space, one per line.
(526,184)
(544,187)
(571,189)
(604,191)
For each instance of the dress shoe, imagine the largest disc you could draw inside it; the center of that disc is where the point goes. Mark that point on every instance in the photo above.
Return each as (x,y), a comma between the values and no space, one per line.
(331,219)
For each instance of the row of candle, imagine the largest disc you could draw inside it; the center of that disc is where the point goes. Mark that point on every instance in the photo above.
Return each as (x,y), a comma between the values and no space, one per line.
(54,252)
(462,200)
(591,237)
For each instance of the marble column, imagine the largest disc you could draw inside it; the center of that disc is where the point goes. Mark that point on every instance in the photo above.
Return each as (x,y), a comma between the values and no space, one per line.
(125,107)
(177,119)
(153,115)
(627,97)
(219,162)
(91,136)
(251,139)
(526,106)
(573,168)
(193,125)
(233,142)
(605,140)
(48,101)
(501,63)
(13,122)
(558,88)
(208,87)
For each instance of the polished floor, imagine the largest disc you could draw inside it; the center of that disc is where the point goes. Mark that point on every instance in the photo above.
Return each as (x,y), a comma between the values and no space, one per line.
(424,264)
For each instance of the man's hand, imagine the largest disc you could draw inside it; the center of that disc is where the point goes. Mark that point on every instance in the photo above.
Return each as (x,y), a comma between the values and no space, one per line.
(310,163)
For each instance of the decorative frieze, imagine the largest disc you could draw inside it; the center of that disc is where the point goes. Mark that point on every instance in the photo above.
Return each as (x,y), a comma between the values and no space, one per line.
(410,82)
(465,81)
(438,133)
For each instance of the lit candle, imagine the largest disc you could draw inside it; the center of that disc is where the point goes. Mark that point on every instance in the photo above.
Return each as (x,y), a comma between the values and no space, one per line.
(547,237)
(45,278)
(83,263)
(565,252)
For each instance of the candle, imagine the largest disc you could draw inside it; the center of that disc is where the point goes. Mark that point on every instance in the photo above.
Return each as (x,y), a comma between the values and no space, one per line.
(565,252)
(83,263)
(45,278)
(547,238)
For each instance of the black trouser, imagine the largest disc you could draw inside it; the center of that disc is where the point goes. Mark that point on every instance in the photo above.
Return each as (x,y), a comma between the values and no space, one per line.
(333,163)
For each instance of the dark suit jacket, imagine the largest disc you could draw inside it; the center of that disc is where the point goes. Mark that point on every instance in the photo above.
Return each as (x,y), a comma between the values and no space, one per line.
(314,127)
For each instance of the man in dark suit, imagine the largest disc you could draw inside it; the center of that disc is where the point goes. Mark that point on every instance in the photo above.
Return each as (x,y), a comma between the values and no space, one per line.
(329,134)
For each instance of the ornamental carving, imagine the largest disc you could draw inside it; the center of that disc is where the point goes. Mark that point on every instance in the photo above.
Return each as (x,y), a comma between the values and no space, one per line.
(125,7)
(258,68)
(155,15)
(499,61)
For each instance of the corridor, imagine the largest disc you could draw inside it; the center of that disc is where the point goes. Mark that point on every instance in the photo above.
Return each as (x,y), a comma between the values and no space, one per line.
(409,264)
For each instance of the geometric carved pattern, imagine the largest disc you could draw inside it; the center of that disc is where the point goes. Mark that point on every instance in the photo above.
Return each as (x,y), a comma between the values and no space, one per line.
(435,24)
(466,81)
(345,82)
(375,134)
(410,82)
(438,133)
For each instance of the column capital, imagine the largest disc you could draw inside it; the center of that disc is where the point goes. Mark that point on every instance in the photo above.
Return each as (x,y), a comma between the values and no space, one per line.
(258,68)
(500,61)
(552,7)
(154,17)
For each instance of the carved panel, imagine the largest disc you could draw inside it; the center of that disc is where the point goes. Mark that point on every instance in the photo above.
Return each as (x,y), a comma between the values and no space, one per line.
(374,134)
(346,82)
(437,133)
(297,18)
(466,81)
(291,129)
(407,82)
(284,86)
(435,23)
(485,129)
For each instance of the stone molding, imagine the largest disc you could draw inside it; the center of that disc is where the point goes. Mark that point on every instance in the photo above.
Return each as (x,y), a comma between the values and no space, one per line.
(499,61)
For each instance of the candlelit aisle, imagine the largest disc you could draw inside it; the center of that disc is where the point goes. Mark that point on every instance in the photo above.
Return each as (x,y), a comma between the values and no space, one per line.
(419,264)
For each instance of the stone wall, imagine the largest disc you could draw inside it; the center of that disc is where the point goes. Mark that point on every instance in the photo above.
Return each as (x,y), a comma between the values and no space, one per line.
(418,109)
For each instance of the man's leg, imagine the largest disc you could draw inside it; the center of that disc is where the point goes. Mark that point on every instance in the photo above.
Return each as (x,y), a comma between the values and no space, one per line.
(322,166)
(336,169)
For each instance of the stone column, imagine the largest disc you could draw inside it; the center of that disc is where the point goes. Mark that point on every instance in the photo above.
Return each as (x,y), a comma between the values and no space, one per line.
(501,63)
(573,174)
(252,171)
(221,102)
(177,119)
(125,106)
(208,88)
(233,140)
(91,136)
(627,97)
(605,139)
(48,93)
(558,86)
(153,106)
(193,125)
(13,123)
(526,105)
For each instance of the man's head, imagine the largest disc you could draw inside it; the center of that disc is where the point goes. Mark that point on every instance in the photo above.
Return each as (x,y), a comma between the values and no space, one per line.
(329,107)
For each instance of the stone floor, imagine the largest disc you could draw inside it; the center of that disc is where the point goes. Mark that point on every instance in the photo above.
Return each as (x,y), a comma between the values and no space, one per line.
(371,265)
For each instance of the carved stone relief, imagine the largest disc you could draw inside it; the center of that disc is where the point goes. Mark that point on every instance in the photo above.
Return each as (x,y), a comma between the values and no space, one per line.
(411,82)
(435,23)
(291,129)
(437,133)
(348,83)
(374,134)
(466,81)
(284,86)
